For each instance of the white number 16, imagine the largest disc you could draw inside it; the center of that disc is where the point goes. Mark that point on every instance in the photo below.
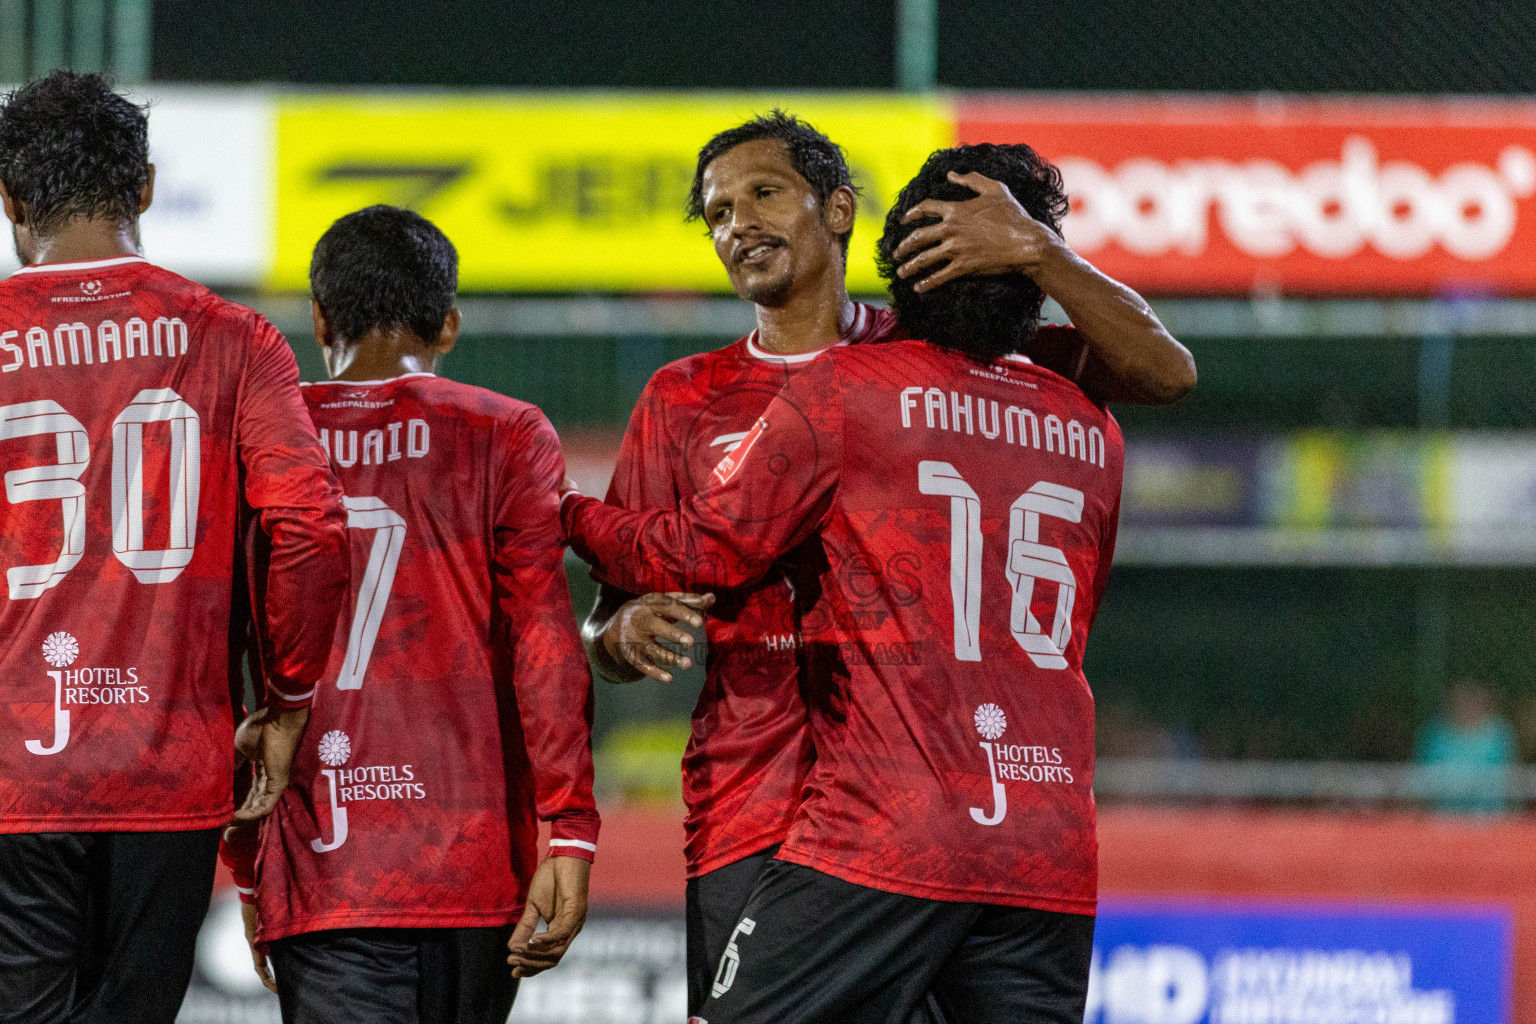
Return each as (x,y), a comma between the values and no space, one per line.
(1028,561)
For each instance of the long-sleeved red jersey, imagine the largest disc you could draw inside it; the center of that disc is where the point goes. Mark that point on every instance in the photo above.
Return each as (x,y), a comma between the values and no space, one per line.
(457,706)
(136,408)
(750,745)
(967,515)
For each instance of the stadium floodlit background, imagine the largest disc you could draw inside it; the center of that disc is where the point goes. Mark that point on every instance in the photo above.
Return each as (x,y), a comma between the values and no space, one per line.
(1315,665)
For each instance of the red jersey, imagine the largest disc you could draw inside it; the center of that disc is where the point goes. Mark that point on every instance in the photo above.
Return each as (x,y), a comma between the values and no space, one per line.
(135,409)
(968,515)
(457,707)
(749,749)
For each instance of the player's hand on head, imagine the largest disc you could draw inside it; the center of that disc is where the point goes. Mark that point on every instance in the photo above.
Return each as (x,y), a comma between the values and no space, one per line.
(271,762)
(252,920)
(557,895)
(990,234)
(637,631)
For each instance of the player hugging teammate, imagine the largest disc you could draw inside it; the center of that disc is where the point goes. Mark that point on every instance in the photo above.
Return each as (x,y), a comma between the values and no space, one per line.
(804,471)
(829,499)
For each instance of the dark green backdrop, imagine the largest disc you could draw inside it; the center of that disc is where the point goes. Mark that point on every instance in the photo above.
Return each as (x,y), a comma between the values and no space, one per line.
(1473,46)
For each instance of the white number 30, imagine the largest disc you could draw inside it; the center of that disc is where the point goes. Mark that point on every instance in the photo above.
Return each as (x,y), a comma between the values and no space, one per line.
(61,482)
(1028,561)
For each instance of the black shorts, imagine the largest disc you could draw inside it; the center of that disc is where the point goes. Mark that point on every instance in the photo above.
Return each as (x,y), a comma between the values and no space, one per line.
(101,927)
(395,976)
(811,948)
(716,901)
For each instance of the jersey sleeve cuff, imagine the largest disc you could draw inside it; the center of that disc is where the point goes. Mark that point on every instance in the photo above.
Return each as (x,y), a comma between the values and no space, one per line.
(240,858)
(575,835)
(287,701)
(570,502)
(578,848)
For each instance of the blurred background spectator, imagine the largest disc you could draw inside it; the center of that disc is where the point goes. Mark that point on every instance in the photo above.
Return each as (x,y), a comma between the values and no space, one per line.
(1466,753)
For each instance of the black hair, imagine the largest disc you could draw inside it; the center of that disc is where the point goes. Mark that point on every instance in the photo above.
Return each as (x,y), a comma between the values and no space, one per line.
(814,157)
(387,268)
(70,146)
(982,317)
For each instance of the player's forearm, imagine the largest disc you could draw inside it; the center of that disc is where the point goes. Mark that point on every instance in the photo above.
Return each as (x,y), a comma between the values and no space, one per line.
(660,550)
(555,703)
(553,683)
(306,589)
(1138,360)
(558,734)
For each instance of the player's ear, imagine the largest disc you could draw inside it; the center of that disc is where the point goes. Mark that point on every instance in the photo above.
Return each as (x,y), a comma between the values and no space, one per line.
(13,209)
(840,210)
(449,335)
(323,333)
(147,193)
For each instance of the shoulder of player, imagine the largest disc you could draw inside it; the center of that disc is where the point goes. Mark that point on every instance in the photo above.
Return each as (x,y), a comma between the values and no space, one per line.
(436,396)
(472,402)
(195,303)
(882,351)
(692,374)
(678,389)
(1058,390)
(922,361)
(882,324)
(205,309)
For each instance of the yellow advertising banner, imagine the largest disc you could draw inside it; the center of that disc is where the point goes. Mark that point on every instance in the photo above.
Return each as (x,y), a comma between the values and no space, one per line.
(566,192)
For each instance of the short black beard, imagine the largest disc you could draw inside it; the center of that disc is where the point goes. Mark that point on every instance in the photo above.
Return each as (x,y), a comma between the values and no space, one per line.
(771,294)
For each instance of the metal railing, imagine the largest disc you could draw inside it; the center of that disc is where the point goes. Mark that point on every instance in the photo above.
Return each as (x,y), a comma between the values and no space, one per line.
(1329,782)
(39,36)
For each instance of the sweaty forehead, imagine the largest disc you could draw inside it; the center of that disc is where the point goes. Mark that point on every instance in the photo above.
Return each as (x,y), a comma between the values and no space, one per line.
(748,162)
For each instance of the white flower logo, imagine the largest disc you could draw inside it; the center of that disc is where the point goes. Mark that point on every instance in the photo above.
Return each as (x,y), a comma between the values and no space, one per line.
(990,721)
(335,748)
(60,649)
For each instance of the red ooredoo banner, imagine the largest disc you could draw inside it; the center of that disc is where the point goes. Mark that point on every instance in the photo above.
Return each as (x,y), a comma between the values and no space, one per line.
(1337,196)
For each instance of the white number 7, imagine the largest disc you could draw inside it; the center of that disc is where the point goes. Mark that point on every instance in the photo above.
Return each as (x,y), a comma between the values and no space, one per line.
(373,589)
(1028,561)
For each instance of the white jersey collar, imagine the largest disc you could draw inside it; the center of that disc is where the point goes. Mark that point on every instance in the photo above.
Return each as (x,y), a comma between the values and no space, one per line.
(369,383)
(83,265)
(855,331)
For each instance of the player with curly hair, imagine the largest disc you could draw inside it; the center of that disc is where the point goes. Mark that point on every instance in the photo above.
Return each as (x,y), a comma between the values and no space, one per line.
(854,900)
(144,422)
